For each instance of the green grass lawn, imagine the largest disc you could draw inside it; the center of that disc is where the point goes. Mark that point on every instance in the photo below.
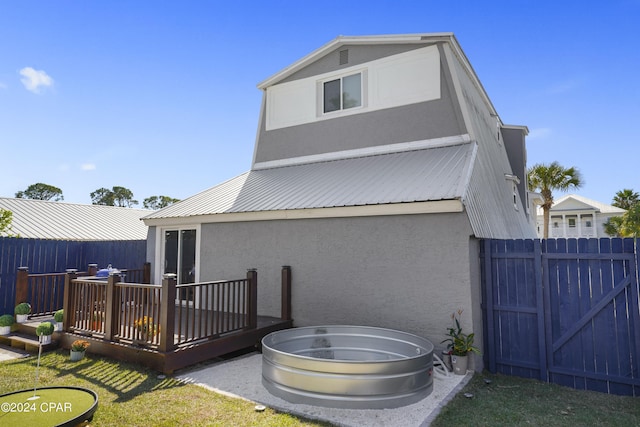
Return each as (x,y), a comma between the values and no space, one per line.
(131,395)
(513,401)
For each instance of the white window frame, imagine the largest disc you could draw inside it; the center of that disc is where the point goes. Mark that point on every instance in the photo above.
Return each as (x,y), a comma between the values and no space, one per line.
(342,111)
(160,248)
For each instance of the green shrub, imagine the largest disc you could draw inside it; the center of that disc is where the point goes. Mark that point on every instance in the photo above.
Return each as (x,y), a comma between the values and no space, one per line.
(44,328)
(6,320)
(58,315)
(23,308)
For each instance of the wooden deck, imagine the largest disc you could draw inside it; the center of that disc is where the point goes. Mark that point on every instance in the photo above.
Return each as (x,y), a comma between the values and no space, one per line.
(164,326)
(183,355)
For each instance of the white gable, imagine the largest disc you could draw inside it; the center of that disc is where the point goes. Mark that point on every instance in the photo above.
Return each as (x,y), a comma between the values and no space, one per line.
(401,79)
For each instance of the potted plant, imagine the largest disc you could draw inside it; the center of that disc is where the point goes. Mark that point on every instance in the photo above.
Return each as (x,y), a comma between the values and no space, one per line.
(78,348)
(459,345)
(44,331)
(6,320)
(58,316)
(146,327)
(98,318)
(22,311)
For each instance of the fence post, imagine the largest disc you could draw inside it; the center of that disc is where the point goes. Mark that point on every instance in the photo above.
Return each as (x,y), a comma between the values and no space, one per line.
(146,273)
(285,305)
(110,306)
(252,312)
(22,285)
(167,312)
(490,352)
(69,311)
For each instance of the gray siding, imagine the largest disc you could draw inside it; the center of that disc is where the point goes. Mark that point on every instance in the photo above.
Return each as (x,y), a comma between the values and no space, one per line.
(405,272)
(415,122)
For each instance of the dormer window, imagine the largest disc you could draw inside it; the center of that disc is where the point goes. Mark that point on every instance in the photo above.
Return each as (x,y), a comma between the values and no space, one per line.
(343,93)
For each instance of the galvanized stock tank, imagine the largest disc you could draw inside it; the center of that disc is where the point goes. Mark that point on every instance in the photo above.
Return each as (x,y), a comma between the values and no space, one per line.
(356,367)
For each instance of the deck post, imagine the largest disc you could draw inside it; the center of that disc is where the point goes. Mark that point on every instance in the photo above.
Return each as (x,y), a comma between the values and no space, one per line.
(92,269)
(252,309)
(111,309)
(167,313)
(285,305)
(22,285)
(67,299)
(146,273)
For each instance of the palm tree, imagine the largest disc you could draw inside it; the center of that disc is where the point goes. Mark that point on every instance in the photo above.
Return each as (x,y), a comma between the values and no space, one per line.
(546,179)
(625,199)
(613,226)
(627,225)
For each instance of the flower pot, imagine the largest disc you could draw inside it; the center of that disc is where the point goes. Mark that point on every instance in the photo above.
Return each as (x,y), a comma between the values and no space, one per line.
(459,364)
(446,359)
(45,339)
(58,326)
(21,318)
(5,330)
(76,355)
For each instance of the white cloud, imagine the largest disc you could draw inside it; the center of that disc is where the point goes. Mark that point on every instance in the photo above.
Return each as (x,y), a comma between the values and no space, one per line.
(33,80)
(3,86)
(88,167)
(539,133)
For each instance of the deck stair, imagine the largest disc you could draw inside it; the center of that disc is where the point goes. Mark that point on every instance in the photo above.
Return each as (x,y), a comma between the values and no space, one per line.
(23,336)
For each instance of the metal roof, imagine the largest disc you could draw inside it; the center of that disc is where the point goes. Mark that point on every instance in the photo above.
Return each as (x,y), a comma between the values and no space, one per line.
(39,219)
(431,174)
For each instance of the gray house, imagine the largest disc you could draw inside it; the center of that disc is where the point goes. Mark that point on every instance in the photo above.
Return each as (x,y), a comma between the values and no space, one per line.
(379,164)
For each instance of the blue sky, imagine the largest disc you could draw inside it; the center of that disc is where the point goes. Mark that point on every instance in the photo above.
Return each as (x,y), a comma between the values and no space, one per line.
(160,97)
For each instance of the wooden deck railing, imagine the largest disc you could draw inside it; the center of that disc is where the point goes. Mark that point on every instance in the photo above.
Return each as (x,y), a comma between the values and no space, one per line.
(87,298)
(211,309)
(159,316)
(45,291)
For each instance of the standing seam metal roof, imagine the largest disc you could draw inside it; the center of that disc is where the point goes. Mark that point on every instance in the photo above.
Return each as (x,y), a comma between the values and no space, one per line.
(40,219)
(430,174)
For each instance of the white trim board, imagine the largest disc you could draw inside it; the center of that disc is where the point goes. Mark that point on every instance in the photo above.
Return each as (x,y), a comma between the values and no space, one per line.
(414,208)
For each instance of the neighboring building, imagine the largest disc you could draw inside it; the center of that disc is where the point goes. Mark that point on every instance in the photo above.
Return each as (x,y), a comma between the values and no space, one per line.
(40,219)
(574,216)
(379,163)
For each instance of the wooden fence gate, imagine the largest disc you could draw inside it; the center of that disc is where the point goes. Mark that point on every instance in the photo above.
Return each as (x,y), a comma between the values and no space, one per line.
(564,311)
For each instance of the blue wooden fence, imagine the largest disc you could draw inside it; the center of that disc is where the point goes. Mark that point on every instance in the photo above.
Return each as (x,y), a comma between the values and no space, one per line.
(564,311)
(50,256)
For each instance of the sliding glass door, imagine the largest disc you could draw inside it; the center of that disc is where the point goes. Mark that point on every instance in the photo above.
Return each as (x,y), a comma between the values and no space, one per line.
(179,252)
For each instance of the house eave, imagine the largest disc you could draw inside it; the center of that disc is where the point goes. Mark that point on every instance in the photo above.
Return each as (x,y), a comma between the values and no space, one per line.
(414,208)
